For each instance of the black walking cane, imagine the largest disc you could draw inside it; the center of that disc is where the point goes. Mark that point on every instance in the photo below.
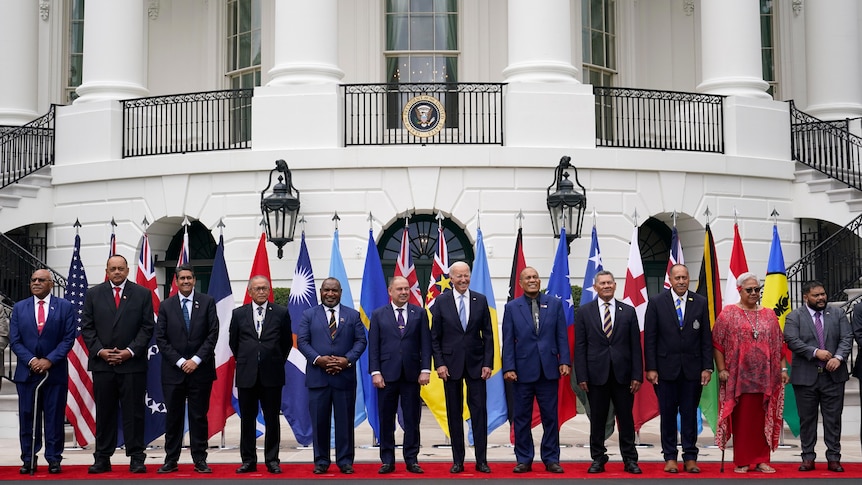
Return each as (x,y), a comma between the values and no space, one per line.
(35,415)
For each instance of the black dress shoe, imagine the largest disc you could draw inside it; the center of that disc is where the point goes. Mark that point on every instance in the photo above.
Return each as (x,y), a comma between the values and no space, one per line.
(99,467)
(632,467)
(806,466)
(457,468)
(414,468)
(320,469)
(835,466)
(137,467)
(54,467)
(273,467)
(202,467)
(597,466)
(168,467)
(346,469)
(483,468)
(522,468)
(25,469)
(554,468)
(386,468)
(247,468)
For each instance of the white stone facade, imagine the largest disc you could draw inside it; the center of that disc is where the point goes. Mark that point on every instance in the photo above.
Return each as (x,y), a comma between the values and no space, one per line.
(297,116)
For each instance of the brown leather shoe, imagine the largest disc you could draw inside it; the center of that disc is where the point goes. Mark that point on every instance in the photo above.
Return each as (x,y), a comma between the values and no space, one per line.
(691,466)
(835,466)
(806,466)
(671,466)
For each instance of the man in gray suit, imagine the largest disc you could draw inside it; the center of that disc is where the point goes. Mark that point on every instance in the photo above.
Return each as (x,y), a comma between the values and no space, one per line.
(820,339)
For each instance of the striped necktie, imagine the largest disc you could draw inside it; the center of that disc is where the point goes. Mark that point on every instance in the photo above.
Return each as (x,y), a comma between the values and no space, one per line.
(332,326)
(607,325)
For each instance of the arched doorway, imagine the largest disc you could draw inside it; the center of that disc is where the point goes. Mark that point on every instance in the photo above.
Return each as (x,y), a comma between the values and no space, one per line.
(654,238)
(422,230)
(202,248)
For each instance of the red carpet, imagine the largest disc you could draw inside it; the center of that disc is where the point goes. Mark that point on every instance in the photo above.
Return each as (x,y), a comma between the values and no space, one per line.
(433,470)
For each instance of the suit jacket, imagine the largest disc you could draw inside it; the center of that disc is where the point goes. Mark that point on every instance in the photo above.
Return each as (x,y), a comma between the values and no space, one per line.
(801,338)
(524,350)
(104,326)
(313,340)
(595,352)
(260,357)
(462,351)
(395,355)
(175,342)
(856,325)
(673,350)
(53,343)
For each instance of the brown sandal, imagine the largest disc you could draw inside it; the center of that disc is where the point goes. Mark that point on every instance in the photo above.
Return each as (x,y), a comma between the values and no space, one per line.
(764,468)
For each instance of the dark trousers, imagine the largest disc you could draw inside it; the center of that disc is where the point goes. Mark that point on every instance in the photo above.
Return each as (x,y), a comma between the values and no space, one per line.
(600,396)
(387,406)
(51,406)
(268,398)
(678,396)
(477,397)
(828,395)
(127,390)
(197,392)
(544,391)
(323,403)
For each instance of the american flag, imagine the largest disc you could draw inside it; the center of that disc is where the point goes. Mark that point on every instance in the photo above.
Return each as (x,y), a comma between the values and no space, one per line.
(404,267)
(80,406)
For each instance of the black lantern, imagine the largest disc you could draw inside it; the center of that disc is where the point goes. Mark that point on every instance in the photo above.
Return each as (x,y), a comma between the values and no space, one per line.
(566,205)
(280,208)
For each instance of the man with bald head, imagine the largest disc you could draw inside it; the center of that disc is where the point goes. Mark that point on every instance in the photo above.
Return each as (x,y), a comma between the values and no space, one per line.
(117,324)
(42,330)
(462,343)
(535,356)
(399,360)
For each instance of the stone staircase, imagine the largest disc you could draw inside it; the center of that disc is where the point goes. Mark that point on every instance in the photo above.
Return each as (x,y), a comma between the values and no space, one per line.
(28,187)
(837,191)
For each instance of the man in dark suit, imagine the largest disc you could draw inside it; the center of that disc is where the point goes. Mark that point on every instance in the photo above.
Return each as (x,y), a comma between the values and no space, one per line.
(609,365)
(535,356)
(186,332)
(399,360)
(332,337)
(820,338)
(678,356)
(463,347)
(117,325)
(42,331)
(260,337)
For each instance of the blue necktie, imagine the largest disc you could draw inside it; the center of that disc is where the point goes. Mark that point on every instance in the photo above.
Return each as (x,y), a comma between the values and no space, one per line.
(186,316)
(462,314)
(679,311)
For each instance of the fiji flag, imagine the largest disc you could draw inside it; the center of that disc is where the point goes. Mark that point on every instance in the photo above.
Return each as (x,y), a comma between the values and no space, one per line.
(294,397)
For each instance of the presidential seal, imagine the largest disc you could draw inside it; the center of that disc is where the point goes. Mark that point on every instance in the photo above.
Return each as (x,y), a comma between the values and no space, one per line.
(423,116)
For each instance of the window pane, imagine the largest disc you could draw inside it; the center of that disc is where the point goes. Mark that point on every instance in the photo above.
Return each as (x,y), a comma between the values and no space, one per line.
(421,6)
(75,69)
(598,44)
(396,33)
(77,10)
(397,6)
(255,48)
(421,68)
(231,18)
(421,33)
(244,51)
(244,16)
(445,32)
(255,14)
(588,51)
(611,53)
(597,20)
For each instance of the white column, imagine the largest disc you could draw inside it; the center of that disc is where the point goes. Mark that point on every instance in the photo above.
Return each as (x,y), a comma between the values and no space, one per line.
(833,56)
(304,79)
(730,49)
(545,103)
(540,42)
(114,51)
(19,36)
(306,43)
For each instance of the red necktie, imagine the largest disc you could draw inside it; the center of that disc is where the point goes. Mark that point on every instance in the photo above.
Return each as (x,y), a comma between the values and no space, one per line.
(40,316)
(117,290)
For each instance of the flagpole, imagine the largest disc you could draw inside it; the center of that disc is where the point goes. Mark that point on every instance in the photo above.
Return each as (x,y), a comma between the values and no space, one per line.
(77,445)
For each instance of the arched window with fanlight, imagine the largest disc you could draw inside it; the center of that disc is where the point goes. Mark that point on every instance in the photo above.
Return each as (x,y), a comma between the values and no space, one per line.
(422,231)
(654,240)
(202,249)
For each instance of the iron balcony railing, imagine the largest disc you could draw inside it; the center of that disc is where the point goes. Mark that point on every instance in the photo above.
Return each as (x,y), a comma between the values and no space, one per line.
(826,146)
(27,148)
(423,114)
(183,123)
(659,120)
(836,262)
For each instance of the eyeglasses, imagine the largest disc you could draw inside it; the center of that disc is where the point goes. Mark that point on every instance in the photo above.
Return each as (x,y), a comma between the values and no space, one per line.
(260,289)
(753,289)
